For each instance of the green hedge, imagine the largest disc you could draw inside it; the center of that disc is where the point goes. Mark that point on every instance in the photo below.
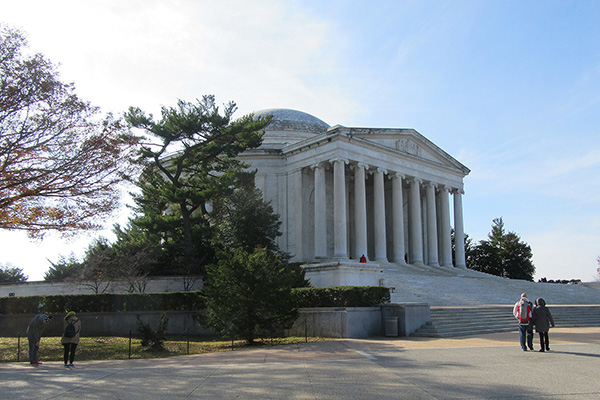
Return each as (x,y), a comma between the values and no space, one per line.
(106,302)
(342,296)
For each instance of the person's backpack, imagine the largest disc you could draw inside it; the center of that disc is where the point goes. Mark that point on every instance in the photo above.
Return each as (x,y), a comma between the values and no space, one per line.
(70,330)
(524,311)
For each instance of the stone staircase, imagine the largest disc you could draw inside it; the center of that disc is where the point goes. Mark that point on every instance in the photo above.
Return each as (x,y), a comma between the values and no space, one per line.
(439,286)
(466,302)
(469,320)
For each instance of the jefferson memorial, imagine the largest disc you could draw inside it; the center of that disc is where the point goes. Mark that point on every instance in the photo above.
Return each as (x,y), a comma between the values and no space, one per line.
(346,193)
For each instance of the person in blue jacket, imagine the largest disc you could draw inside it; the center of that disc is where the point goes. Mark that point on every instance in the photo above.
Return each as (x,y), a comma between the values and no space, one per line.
(34,335)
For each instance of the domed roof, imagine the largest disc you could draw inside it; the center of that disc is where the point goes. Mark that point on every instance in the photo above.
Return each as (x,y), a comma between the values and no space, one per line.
(285,119)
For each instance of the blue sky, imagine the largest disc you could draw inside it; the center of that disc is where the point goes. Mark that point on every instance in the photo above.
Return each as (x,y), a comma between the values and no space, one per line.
(511,89)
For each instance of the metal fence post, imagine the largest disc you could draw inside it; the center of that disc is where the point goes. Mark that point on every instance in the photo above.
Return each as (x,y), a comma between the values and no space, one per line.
(305,331)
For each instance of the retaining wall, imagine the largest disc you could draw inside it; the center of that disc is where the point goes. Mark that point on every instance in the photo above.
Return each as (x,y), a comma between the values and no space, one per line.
(349,322)
(43,288)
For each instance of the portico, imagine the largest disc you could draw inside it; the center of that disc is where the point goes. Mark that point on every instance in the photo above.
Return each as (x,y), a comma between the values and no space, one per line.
(365,195)
(346,192)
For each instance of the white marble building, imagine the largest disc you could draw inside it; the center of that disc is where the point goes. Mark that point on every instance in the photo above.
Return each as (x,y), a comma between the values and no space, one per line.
(345,192)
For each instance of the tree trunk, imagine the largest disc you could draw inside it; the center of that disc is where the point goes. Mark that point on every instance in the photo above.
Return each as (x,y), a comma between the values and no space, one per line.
(189,252)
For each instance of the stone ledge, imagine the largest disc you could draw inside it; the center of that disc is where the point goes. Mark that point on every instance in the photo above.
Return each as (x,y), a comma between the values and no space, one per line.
(343,273)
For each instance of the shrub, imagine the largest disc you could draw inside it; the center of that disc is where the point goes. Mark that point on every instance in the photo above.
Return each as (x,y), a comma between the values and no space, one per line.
(154,339)
(341,296)
(105,302)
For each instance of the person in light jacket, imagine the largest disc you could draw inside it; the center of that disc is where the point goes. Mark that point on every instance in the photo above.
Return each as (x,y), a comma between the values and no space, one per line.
(70,337)
(523,312)
(542,319)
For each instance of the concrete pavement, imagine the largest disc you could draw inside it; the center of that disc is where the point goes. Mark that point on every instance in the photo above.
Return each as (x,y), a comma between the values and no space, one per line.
(489,366)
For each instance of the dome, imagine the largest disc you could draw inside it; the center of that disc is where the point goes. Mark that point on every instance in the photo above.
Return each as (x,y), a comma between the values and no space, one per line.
(285,119)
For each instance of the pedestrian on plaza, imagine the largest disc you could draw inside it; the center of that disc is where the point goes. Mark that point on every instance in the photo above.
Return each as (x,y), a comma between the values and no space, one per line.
(34,335)
(362,259)
(70,337)
(523,312)
(542,319)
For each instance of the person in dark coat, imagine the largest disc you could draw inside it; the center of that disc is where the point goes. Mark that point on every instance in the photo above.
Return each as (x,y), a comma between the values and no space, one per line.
(542,319)
(70,342)
(34,335)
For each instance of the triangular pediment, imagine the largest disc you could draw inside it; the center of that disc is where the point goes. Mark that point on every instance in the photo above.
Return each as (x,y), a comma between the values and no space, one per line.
(395,146)
(406,142)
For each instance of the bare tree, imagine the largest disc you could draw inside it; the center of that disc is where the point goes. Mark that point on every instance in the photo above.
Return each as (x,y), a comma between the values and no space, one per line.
(60,162)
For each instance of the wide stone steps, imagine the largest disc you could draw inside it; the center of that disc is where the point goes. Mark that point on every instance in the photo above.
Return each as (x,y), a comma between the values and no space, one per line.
(438,286)
(472,320)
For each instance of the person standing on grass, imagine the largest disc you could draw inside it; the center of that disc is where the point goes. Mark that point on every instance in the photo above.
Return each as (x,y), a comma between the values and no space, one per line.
(34,335)
(542,319)
(70,337)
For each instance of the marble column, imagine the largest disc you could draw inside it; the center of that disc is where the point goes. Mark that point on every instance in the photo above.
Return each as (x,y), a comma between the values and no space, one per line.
(320,212)
(398,219)
(459,230)
(298,214)
(415,230)
(340,235)
(379,215)
(432,243)
(360,210)
(446,242)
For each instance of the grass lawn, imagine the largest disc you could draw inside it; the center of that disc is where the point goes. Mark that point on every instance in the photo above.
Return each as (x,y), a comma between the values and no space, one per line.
(117,348)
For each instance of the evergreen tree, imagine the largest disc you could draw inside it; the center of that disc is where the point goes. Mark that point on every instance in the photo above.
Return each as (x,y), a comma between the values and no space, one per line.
(248,294)
(64,269)
(190,161)
(503,254)
(11,274)
(244,220)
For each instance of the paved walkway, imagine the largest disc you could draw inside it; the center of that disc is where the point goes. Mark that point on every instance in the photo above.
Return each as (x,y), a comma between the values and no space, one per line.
(490,366)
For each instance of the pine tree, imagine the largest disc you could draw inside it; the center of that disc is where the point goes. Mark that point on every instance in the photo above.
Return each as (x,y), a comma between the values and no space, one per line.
(503,254)
(248,294)
(190,161)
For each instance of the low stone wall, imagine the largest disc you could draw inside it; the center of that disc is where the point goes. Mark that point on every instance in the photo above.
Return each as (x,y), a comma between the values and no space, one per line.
(346,273)
(350,322)
(106,323)
(43,288)
(411,316)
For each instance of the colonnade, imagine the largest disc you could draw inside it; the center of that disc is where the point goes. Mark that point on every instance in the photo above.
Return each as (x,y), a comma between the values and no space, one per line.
(429,231)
